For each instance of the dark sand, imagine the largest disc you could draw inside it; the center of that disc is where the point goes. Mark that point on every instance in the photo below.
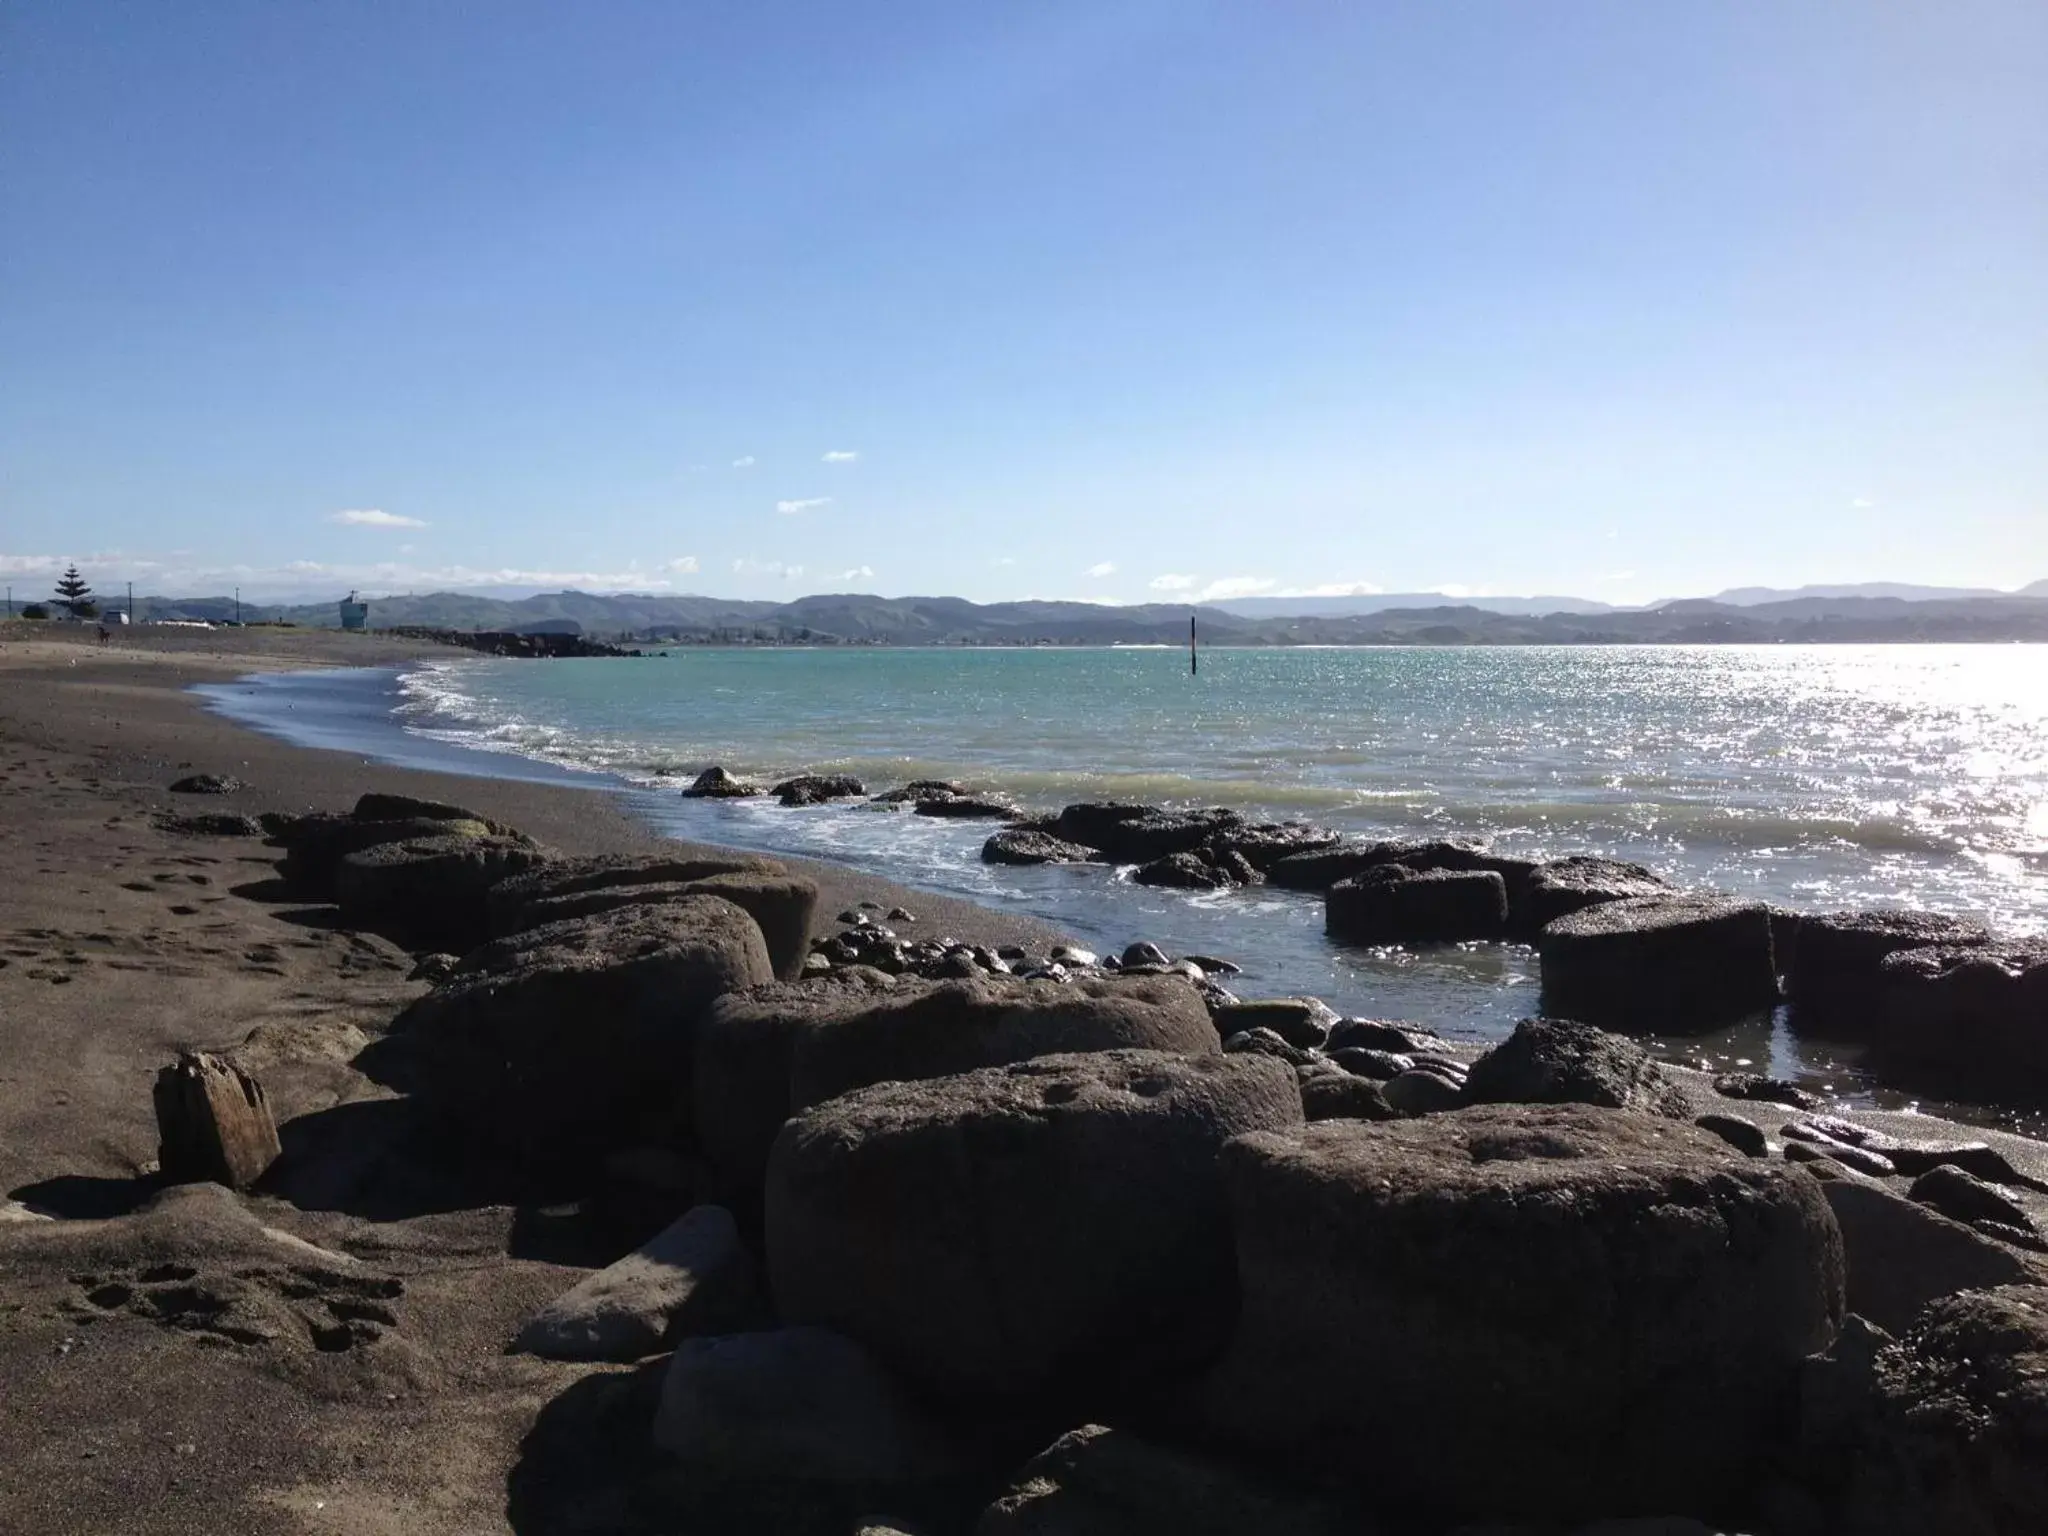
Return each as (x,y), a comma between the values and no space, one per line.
(119,943)
(158,1370)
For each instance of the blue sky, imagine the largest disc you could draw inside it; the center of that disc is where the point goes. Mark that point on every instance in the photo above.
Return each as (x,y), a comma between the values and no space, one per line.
(1120,299)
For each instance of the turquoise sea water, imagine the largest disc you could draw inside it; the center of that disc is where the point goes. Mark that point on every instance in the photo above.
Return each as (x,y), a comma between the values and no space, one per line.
(1816,776)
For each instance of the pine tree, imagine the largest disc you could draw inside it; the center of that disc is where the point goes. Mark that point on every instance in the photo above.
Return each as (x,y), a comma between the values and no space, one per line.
(74,593)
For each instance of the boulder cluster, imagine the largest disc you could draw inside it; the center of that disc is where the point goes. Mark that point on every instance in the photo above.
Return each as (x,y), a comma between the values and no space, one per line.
(1941,1003)
(938,1238)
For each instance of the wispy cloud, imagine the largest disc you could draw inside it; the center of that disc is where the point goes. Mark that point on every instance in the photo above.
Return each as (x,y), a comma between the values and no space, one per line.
(370,517)
(683,565)
(1237,586)
(805,504)
(746,462)
(842,456)
(749,567)
(858,573)
(1171,583)
(1101,569)
(1862,503)
(1334,589)
(179,573)
(1004,560)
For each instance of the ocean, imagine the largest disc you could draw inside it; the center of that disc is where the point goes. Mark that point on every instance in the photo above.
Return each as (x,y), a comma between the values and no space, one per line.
(1818,777)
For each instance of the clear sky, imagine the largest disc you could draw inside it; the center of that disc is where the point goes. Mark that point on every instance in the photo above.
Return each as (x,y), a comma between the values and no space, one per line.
(1114,299)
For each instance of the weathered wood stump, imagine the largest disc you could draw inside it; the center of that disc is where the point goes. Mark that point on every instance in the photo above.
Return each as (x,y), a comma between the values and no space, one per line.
(213,1122)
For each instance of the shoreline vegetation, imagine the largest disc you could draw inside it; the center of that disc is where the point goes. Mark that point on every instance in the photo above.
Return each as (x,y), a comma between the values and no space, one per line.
(584,1179)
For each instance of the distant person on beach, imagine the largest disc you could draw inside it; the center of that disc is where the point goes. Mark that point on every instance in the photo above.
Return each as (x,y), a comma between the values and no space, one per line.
(106,634)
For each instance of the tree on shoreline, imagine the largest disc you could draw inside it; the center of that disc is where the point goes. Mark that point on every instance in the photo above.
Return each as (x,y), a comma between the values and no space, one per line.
(75,593)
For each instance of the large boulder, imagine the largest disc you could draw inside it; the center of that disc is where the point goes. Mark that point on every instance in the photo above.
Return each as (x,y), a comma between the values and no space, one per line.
(1902,1255)
(1016,845)
(1833,979)
(1096,1481)
(551,1047)
(957,1026)
(1969,1018)
(1650,964)
(1546,1312)
(1954,1436)
(802,1406)
(1185,872)
(692,1278)
(1568,885)
(314,845)
(1395,904)
(784,905)
(714,783)
(1320,868)
(1264,844)
(818,788)
(1138,834)
(1551,1061)
(1047,1231)
(430,893)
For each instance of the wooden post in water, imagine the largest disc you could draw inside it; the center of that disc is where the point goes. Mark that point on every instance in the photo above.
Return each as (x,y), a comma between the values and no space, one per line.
(1194,662)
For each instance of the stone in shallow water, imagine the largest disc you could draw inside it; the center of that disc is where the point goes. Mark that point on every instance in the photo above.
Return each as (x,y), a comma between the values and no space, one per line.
(1652,964)
(1833,980)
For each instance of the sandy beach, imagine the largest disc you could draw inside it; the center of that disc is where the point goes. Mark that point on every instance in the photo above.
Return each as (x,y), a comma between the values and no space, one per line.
(119,944)
(156,1372)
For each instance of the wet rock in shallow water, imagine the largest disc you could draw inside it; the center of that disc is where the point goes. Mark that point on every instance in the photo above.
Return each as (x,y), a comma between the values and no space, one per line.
(693,1278)
(714,783)
(430,893)
(1547,1061)
(1755,1088)
(1186,872)
(1659,963)
(1969,1018)
(817,788)
(1021,847)
(921,789)
(1144,953)
(1268,842)
(1966,1198)
(1395,904)
(1320,869)
(207,784)
(1612,1308)
(1833,981)
(968,808)
(1140,834)
(1746,1136)
(1901,1256)
(1302,1021)
(795,1405)
(1214,967)
(554,1046)
(1106,1482)
(964,1229)
(1563,886)
(213,1123)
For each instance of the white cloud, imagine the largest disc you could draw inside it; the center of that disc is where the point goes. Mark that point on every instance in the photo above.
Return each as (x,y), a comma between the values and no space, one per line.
(858,573)
(370,517)
(842,456)
(1862,503)
(1101,569)
(751,567)
(1004,560)
(1237,586)
(744,463)
(1619,576)
(1335,589)
(684,565)
(804,504)
(1171,583)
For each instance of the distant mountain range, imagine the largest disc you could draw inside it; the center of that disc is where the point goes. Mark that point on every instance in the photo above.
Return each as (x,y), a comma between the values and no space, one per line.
(1816,613)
